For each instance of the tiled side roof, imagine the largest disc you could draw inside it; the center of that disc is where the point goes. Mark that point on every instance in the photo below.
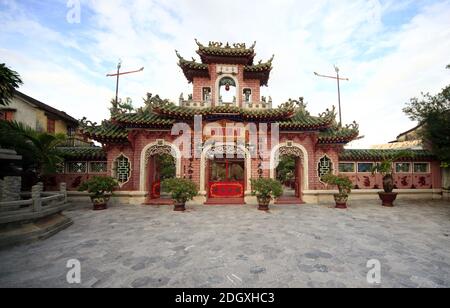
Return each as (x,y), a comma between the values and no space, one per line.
(89,153)
(303,120)
(260,67)
(106,132)
(192,68)
(376,155)
(143,118)
(338,135)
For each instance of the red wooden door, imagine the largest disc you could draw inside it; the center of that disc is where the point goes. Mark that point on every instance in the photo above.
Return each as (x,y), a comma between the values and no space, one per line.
(226,179)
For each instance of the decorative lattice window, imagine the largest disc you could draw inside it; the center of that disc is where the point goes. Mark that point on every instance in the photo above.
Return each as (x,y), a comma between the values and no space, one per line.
(97,167)
(60,168)
(325,166)
(122,169)
(421,167)
(77,167)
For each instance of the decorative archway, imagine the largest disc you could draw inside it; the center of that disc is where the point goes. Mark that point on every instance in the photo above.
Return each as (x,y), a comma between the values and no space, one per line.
(235,83)
(157,148)
(225,148)
(293,149)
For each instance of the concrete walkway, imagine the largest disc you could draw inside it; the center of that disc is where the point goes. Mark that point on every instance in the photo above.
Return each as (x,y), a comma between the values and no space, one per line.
(232,246)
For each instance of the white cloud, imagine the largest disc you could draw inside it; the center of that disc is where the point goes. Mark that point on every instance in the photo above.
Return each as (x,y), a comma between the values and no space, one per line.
(386,66)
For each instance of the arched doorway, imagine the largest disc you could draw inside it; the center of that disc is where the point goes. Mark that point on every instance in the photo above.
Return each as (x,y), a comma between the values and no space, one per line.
(159,160)
(289,165)
(225,173)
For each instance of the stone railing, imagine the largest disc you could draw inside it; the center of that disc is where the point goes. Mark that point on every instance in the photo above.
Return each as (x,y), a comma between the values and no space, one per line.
(258,105)
(37,205)
(195,104)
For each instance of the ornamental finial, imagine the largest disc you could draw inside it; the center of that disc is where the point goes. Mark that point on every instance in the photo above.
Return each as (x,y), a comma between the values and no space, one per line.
(253,46)
(198,43)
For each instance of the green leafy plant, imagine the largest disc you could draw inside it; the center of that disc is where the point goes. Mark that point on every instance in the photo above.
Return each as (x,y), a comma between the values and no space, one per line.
(99,185)
(266,188)
(9,81)
(343,183)
(181,190)
(39,150)
(386,168)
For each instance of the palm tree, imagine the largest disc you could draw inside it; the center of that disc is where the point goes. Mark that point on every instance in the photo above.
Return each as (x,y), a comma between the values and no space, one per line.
(9,81)
(39,149)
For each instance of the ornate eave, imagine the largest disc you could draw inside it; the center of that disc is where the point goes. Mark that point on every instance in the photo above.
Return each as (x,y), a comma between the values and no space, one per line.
(217,52)
(107,132)
(339,135)
(192,69)
(259,71)
(233,112)
(82,153)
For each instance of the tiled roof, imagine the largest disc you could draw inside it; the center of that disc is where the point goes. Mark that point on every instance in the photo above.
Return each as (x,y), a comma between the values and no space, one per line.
(375,155)
(90,153)
(302,120)
(143,118)
(106,132)
(173,111)
(217,49)
(260,67)
(192,68)
(338,135)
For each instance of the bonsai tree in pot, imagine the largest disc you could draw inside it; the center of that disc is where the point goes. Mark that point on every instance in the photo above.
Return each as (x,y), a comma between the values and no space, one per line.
(344,185)
(265,190)
(181,190)
(386,169)
(100,188)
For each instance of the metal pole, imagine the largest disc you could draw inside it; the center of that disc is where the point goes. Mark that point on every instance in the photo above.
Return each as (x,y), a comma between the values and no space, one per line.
(117,82)
(339,96)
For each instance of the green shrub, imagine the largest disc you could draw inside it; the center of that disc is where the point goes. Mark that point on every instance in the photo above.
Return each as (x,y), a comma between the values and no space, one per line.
(343,183)
(181,190)
(99,185)
(266,188)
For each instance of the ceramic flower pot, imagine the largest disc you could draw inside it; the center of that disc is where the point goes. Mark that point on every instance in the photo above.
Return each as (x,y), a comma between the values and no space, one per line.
(263,204)
(179,206)
(100,202)
(341,201)
(387,199)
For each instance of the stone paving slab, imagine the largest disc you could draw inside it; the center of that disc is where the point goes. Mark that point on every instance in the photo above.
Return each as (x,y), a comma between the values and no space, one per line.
(235,246)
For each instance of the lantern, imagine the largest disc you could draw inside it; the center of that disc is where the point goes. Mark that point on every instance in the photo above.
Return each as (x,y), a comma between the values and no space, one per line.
(227,86)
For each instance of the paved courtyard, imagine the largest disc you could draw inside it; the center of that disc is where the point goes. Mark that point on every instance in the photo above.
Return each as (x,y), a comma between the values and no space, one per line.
(230,246)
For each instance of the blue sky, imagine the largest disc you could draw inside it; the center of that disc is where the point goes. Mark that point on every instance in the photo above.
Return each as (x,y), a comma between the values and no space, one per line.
(391,50)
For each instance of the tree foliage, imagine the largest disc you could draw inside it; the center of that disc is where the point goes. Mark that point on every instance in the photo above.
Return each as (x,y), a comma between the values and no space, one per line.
(286,169)
(433,112)
(9,81)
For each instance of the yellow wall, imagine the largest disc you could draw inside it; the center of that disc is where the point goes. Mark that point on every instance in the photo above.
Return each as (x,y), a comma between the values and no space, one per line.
(41,119)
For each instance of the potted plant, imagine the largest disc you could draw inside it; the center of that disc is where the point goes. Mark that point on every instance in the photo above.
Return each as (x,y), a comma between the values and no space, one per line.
(344,185)
(265,190)
(386,170)
(181,190)
(100,189)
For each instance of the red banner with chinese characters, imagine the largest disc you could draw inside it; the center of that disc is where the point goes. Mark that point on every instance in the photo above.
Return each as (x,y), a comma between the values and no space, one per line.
(226,190)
